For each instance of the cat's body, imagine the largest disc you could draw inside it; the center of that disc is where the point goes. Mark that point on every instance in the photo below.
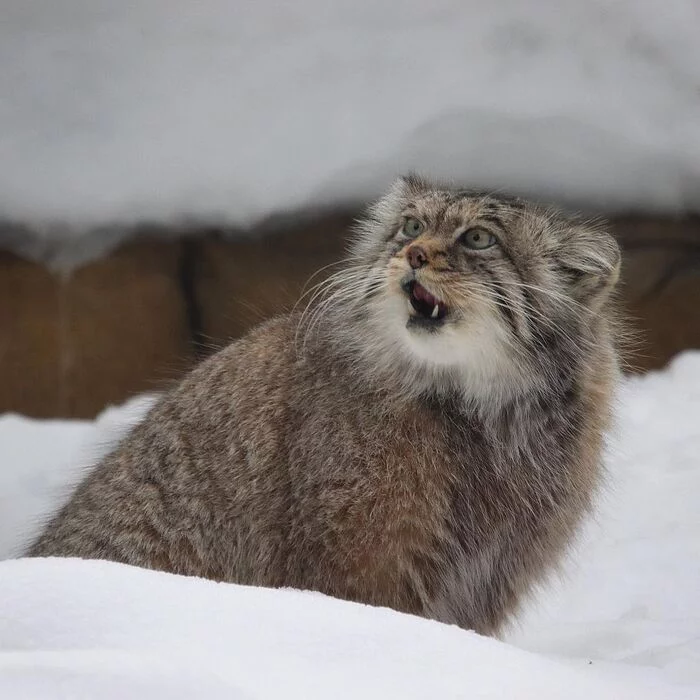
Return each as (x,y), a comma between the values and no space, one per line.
(307,455)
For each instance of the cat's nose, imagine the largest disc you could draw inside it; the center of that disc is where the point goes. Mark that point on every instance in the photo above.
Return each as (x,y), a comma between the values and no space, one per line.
(416,256)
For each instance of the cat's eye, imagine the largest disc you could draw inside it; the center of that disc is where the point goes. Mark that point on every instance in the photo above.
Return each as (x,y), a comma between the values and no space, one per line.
(412,228)
(477,239)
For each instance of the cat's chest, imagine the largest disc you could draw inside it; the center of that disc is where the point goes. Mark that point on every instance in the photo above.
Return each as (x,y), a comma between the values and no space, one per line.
(485,478)
(423,467)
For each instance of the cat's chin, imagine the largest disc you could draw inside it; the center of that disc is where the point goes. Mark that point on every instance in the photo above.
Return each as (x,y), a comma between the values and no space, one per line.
(420,324)
(470,351)
(441,344)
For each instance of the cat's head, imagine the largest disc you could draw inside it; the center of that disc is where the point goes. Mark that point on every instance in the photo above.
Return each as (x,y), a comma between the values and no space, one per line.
(484,290)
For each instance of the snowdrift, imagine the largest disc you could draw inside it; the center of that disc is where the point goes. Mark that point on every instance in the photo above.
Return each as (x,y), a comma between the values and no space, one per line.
(95,629)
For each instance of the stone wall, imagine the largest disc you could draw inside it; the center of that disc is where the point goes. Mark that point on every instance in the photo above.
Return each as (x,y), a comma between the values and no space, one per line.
(136,319)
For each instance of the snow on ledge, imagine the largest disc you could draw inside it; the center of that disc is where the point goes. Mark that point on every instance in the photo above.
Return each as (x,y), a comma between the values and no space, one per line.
(123,112)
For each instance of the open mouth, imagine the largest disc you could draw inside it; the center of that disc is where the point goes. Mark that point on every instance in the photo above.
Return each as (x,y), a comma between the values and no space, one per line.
(422,304)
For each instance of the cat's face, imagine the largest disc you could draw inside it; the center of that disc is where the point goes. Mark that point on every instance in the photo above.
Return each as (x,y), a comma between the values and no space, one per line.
(477,283)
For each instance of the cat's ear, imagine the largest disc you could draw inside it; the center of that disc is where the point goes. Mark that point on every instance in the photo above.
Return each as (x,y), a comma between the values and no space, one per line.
(404,189)
(413,184)
(592,260)
(387,209)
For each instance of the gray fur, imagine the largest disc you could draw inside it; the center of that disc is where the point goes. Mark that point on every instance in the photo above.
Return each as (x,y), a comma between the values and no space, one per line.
(441,472)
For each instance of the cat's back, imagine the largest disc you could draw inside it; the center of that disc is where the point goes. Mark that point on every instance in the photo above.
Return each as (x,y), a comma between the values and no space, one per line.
(169,491)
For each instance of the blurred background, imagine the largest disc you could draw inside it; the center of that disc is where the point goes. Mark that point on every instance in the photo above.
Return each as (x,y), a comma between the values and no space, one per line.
(173,172)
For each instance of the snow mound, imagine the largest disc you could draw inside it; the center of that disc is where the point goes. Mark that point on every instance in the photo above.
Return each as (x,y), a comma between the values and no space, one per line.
(116,112)
(73,628)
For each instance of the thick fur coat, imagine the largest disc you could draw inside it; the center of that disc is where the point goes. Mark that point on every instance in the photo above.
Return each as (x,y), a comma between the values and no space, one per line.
(427,435)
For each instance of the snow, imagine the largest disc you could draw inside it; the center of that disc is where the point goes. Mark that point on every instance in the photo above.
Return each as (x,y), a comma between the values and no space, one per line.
(219,111)
(42,460)
(633,591)
(623,622)
(96,629)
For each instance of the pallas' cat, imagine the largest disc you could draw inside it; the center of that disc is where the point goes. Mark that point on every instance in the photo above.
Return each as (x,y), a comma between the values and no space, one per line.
(426,436)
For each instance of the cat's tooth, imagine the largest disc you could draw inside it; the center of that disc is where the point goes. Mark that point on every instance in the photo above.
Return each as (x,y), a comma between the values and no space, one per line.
(436,310)
(411,310)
